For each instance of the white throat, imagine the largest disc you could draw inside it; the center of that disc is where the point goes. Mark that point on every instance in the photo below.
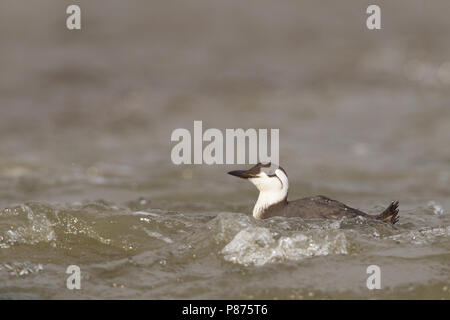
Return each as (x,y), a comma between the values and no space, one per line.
(272,190)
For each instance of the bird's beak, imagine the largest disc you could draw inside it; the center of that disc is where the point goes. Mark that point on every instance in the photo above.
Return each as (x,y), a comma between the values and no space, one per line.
(244,174)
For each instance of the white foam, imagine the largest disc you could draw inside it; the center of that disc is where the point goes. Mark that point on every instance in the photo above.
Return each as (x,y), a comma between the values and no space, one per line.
(258,246)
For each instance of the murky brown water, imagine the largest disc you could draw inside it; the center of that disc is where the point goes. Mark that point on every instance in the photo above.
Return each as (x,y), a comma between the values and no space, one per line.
(85,170)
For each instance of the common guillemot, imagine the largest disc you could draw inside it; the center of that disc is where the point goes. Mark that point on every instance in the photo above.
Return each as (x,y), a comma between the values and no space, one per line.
(273,185)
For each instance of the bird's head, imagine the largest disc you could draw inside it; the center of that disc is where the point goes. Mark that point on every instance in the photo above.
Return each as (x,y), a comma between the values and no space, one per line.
(267,177)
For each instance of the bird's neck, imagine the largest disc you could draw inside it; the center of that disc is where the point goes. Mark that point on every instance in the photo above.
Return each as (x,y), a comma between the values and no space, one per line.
(268,202)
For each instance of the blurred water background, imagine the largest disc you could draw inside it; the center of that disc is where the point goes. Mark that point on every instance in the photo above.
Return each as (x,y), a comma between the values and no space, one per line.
(85,170)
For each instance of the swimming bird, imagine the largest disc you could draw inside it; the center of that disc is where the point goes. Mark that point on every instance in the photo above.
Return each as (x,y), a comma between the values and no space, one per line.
(272,182)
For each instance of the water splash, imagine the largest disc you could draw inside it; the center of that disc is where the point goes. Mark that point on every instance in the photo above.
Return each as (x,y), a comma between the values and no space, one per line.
(258,246)
(436,207)
(35,227)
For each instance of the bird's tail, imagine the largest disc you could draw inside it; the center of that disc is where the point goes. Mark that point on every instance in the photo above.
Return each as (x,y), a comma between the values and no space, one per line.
(390,214)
